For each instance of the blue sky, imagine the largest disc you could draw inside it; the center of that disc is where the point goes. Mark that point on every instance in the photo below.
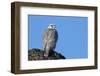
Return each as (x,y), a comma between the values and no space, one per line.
(72,31)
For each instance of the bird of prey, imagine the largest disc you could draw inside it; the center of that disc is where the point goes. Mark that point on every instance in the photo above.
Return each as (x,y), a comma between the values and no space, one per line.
(50,38)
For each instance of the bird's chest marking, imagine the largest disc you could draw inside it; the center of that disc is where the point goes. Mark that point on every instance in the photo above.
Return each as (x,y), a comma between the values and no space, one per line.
(51,34)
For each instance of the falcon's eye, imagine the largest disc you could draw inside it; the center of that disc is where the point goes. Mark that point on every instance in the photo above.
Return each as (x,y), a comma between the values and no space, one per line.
(51,25)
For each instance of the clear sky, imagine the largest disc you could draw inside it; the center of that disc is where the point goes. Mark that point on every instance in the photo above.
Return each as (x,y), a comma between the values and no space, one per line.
(72,31)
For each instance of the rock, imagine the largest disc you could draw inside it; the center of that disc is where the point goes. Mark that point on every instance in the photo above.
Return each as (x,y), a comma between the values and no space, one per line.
(38,54)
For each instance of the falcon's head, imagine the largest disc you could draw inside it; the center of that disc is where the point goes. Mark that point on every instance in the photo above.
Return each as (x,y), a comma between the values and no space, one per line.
(52,26)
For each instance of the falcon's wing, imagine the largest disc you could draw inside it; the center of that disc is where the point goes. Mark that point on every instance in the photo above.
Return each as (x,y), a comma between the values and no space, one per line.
(56,35)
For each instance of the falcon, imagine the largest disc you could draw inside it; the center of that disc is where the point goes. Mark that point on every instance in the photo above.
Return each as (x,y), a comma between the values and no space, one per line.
(50,38)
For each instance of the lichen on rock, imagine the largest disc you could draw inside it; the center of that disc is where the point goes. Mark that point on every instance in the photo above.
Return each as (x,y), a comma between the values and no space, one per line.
(38,54)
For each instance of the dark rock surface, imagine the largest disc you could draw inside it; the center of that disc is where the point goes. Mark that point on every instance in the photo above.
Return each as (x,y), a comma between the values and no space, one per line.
(38,54)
